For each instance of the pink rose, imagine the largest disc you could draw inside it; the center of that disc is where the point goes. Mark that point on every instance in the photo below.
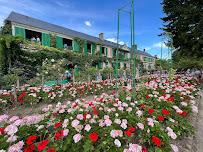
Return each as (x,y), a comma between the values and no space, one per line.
(108,122)
(114,133)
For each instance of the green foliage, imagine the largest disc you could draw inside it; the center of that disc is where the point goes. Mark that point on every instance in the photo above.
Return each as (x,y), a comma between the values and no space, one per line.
(107,73)
(6,29)
(80,43)
(52,40)
(161,63)
(184,21)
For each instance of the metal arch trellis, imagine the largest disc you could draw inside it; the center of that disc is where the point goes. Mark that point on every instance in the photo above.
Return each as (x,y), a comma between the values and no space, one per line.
(169,44)
(132,28)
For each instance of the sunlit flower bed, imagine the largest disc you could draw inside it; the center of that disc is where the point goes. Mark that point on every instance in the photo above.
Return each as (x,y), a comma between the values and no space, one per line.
(150,122)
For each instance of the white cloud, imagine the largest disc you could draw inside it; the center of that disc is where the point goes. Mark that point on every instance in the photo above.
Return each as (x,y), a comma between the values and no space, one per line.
(115,41)
(88,23)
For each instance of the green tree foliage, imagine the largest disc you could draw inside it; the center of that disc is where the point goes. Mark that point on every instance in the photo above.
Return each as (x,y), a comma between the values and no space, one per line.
(6,29)
(185,21)
(53,40)
(164,64)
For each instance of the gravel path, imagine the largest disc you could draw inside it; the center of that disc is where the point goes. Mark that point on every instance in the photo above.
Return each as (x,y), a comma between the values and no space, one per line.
(200,125)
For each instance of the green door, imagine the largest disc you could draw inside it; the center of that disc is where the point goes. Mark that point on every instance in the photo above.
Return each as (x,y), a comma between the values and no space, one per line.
(76,46)
(45,39)
(100,49)
(93,49)
(85,47)
(20,31)
(59,42)
(106,51)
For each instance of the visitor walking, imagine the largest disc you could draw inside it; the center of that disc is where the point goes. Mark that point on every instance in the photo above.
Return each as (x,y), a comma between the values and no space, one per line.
(38,39)
(33,40)
(124,75)
(99,77)
(68,76)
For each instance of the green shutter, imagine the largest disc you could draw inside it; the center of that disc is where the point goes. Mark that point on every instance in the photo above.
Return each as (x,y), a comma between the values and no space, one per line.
(85,47)
(76,46)
(76,70)
(101,49)
(93,48)
(20,31)
(99,65)
(45,39)
(59,42)
(124,55)
(106,51)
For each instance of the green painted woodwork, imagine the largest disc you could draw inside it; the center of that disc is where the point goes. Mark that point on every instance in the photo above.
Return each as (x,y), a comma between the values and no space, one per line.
(76,46)
(76,70)
(101,49)
(124,55)
(138,57)
(49,83)
(45,39)
(149,67)
(106,51)
(114,52)
(59,42)
(145,58)
(85,47)
(93,48)
(20,31)
(66,67)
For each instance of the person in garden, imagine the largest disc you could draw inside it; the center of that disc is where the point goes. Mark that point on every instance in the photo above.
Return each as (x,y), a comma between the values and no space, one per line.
(99,77)
(124,75)
(68,76)
(38,39)
(33,40)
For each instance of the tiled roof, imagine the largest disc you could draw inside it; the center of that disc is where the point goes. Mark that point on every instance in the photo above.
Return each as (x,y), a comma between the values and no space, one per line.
(22,19)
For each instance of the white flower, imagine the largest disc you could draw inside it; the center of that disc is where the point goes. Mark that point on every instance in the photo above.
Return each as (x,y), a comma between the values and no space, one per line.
(117,142)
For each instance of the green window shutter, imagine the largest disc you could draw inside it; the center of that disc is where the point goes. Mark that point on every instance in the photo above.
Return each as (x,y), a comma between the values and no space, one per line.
(59,42)
(43,39)
(85,47)
(101,49)
(124,55)
(20,31)
(99,65)
(106,51)
(48,40)
(76,46)
(76,70)
(138,57)
(93,48)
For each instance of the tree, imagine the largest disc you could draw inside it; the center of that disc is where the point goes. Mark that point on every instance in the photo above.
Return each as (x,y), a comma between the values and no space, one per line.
(185,21)
(6,29)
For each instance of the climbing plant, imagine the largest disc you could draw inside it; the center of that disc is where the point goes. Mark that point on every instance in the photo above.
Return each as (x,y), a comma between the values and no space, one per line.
(80,43)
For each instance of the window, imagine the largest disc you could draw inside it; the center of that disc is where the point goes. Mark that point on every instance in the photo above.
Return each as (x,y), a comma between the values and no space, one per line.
(114,52)
(89,48)
(138,57)
(145,58)
(149,60)
(103,50)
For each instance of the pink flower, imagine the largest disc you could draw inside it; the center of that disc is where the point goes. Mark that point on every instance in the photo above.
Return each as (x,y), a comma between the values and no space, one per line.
(65,123)
(37,74)
(62,111)
(18,122)
(114,133)
(129,109)
(120,108)
(54,65)
(117,142)
(75,123)
(16,147)
(106,117)
(124,125)
(128,98)
(65,132)
(184,104)
(80,116)
(12,138)
(135,148)
(140,125)
(117,121)
(52,60)
(3,118)
(40,127)
(77,138)
(92,121)
(101,124)
(174,147)
(88,116)
(87,127)
(11,129)
(126,150)
(108,122)
(139,113)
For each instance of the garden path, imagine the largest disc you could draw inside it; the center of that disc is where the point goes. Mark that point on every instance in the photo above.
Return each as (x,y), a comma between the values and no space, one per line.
(200,125)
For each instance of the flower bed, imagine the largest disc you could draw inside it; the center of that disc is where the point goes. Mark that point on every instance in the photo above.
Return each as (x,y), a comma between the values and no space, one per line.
(150,122)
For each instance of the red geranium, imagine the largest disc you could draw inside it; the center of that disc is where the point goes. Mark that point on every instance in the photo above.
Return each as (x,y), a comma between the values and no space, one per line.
(132,129)
(59,134)
(142,106)
(95,112)
(2,130)
(151,111)
(22,101)
(85,115)
(30,139)
(165,112)
(42,145)
(144,149)
(30,148)
(160,118)
(156,140)
(184,113)
(128,132)
(51,150)
(57,125)
(54,114)
(93,136)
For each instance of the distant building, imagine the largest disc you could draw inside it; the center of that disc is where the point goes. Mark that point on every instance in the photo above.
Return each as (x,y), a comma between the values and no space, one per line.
(29,27)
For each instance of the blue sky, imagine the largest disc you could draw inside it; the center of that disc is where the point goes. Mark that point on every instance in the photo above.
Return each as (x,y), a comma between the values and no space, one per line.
(96,16)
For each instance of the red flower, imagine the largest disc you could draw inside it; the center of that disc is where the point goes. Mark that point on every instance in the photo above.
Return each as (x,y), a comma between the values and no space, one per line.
(22,101)
(132,129)
(128,132)
(51,150)
(160,118)
(59,134)
(85,115)
(144,149)
(42,145)
(93,136)
(30,139)
(156,140)
(165,112)
(184,113)
(54,114)
(57,125)
(2,130)
(147,96)
(13,104)
(142,106)
(95,112)
(151,111)
(30,148)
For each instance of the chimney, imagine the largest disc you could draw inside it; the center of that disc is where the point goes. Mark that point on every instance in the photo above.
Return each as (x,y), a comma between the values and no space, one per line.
(135,47)
(144,50)
(101,36)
